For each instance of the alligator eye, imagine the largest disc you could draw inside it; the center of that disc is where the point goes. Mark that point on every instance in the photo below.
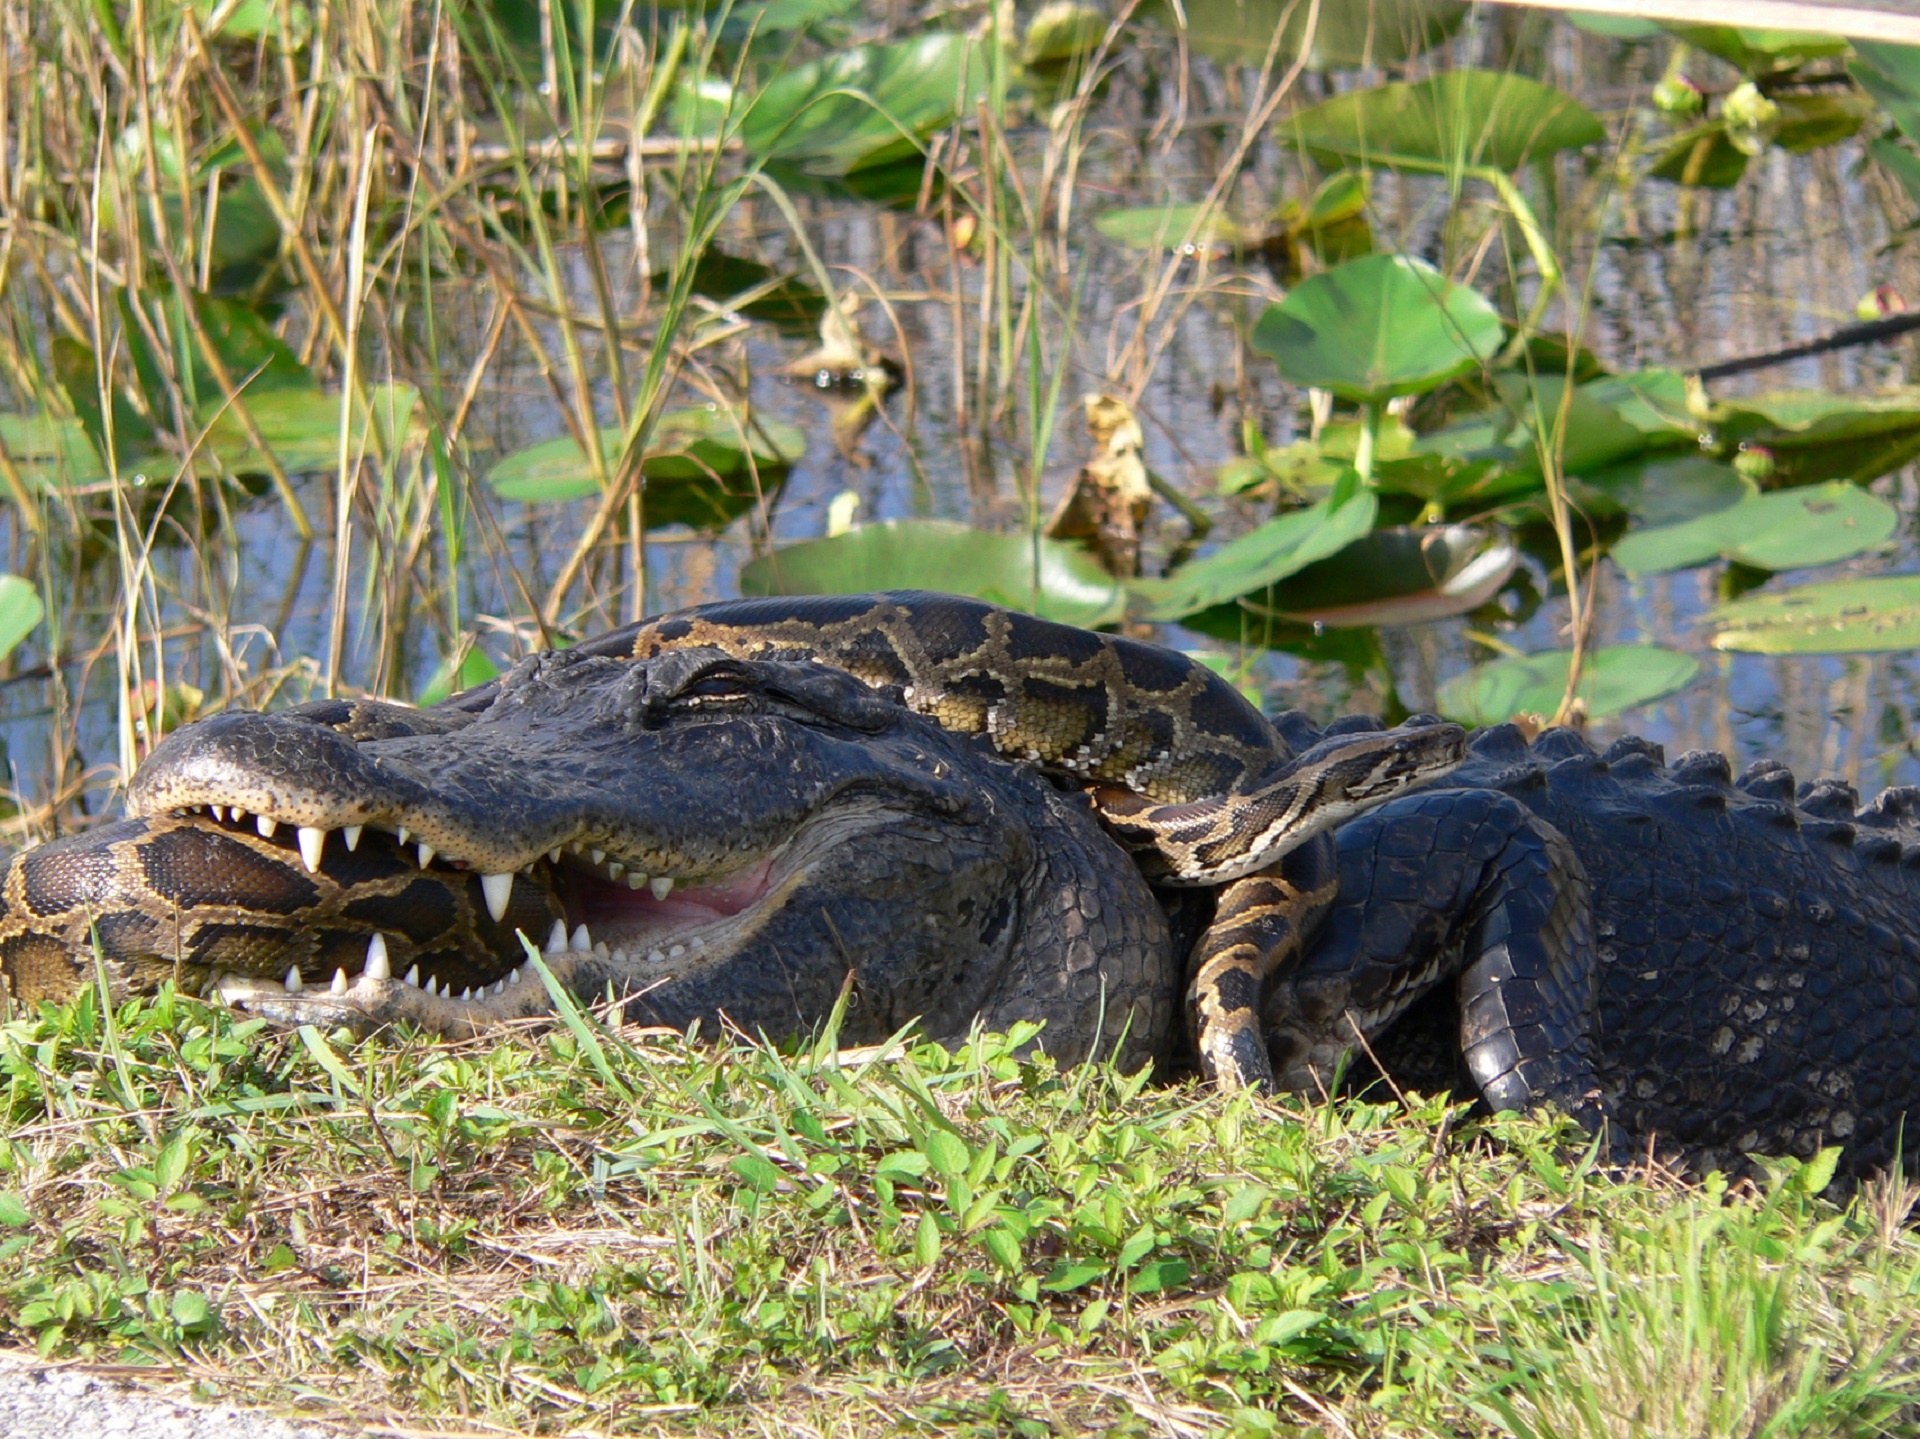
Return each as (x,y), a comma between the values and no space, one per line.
(717,689)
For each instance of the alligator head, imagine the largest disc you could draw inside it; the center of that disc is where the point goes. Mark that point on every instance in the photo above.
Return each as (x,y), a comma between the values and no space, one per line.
(709,838)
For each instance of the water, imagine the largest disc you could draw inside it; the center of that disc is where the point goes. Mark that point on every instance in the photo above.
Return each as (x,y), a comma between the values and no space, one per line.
(1680,278)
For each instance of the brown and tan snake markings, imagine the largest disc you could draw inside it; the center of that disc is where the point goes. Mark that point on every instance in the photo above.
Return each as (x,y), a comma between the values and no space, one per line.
(1187,775)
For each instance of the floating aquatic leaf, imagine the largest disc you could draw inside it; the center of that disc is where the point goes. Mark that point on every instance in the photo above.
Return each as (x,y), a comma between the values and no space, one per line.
(1788,529)
(1462,117)
(1891,75)
(1376,327)
(20,610)
(1665,488)
(1023,572)
(1379,32)
(1280,547)
(696,466)
(1838,617)
(1163,227)
(1397,575)
(1818,435)
(302,427)
(1702,155)
(50,451)
(1758,51)
(865,105)
(1611,680)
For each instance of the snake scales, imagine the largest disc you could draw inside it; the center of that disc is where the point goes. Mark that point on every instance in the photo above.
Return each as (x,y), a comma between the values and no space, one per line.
(1187,775)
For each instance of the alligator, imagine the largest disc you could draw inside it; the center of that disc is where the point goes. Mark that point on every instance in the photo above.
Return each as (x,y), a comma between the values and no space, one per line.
(948,815)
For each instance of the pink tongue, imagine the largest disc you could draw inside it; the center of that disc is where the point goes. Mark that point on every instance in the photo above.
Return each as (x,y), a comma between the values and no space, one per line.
(688,905)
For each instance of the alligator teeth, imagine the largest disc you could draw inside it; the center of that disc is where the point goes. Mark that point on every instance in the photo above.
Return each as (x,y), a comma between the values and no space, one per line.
(351,834)
(400,835)
(661,885)
(413,976)
(615,869)
(636,880)
(553,855)
(265,826)
(432,987)
(599,856)
(514,977)
(654,956)
(293,980)
(499,988)
(466,995)
(619,956)
(557,940)
(312,842)
(498,889)
(426,854)
(676,951)
(218,811)
(377,965)
(582,942)
(237,815)
(339,985)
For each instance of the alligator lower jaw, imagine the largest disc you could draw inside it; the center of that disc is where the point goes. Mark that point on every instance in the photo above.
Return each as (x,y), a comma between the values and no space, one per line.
(617,942)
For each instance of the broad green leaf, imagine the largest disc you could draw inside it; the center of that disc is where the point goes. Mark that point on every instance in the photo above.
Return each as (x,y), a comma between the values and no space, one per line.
(1653,401)
(1899,161)
(1818,435)
(1836,618)
(1891,75)
(1280,547)
(1163,227)
(866,105)
(760,1174)
(1023,572)
(302,427)
(476,668)
(1397,575)
(1462,117)
(1377,327)
(20,611)
(1665,488)
(1702,155)
(50,451)
(1788,529)
(1349,33)
(1757,51)
(1157,1276)
(1064,1278)
(1061,32)
(696,466)
(1611,680)
(13,1211)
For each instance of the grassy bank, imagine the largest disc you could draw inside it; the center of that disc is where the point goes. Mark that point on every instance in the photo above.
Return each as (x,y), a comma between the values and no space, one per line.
(589,1232)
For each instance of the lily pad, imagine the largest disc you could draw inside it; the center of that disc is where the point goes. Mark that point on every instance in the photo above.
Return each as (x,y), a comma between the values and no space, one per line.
(1162,227)
(1376,327)
(1024,572)
(1836,618)
(1818,435)
(50,451)
(696,466)
(1664,489)
(20,610)
(1611,680)
(301,427)
(1244,32)
(1281,547)
(1788,529)
(866,105)
(1758,51)
(1462,117)
(1891,75)
(1397,575)
(1702,155)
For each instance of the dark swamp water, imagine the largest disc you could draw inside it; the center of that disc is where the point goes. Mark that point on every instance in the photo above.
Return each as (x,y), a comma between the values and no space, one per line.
(1669,276)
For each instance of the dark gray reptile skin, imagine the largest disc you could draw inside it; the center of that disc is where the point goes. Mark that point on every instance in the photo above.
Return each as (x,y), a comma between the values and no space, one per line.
(1750,982)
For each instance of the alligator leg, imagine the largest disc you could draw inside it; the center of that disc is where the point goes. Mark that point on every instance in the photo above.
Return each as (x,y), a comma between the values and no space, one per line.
(1466,885)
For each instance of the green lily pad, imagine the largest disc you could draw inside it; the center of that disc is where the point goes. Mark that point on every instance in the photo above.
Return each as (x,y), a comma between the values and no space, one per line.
(1397,575)
(1462,117)
(1702,155)
(1611,680)
(50,451)
(866,105)
(1376,327)
(1024,572)
(696,466)
(1788,529)
(1162,227)
(1280,547)
(1891,75)
(1758,51)
(1653,401)
(1818,435)
(1243,32)
(301,427)
(20,610)
(1836,618)
(1663,489)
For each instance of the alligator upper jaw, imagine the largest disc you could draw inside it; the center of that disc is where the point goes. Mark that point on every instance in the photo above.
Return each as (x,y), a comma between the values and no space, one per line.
(614,937)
